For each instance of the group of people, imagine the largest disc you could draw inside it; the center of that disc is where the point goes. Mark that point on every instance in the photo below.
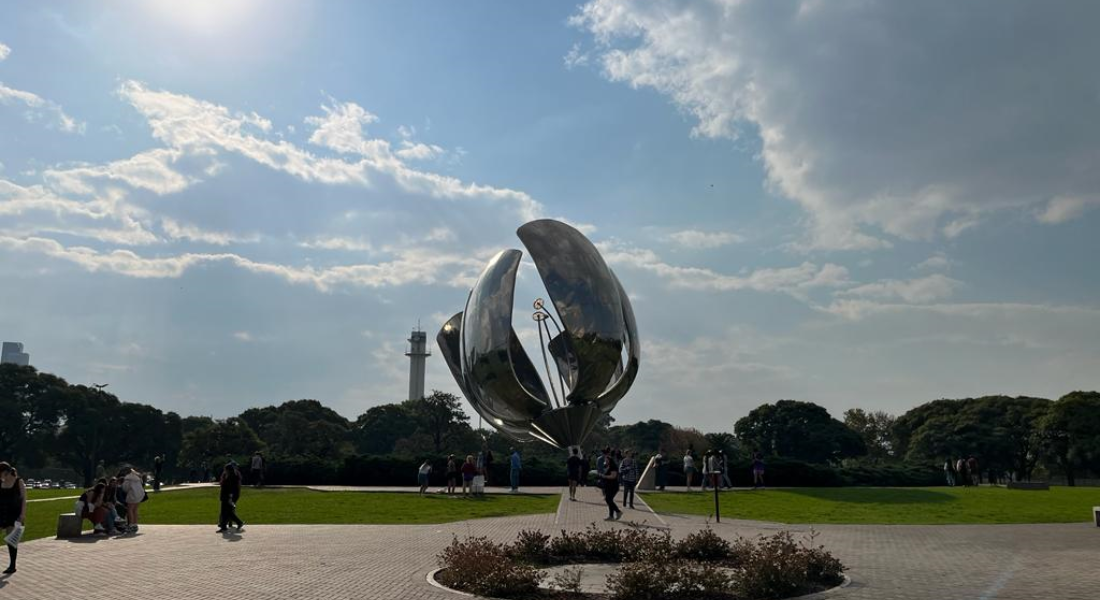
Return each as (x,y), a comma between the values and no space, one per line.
(962,471)
(105,503)
(468,471)
(615,469)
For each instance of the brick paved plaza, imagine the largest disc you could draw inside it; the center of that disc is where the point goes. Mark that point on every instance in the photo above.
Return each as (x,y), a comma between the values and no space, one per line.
(337,562)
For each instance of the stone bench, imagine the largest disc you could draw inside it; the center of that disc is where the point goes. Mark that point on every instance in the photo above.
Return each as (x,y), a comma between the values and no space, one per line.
(69,526)
(1028,485)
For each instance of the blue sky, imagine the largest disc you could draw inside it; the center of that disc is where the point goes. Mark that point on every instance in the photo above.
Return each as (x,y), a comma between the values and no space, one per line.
(217,205)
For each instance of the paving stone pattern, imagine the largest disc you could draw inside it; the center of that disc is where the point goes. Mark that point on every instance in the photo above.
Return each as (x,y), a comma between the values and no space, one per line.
(336,562)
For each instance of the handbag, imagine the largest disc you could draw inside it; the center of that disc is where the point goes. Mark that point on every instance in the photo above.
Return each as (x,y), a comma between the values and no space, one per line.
(12,539)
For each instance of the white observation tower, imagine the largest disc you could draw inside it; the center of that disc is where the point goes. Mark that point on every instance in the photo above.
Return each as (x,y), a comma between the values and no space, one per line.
(418,353)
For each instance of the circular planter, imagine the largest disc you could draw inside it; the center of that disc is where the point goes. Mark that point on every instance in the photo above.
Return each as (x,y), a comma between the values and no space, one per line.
(814,596)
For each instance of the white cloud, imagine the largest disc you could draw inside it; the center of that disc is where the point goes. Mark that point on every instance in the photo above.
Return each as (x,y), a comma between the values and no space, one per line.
(39,108)
(183,231)
(796,281)
(243,336)
(149,170)
(338,243)
(918,291)
(903,119)
(697,240)
(1066,208)
(418,151)
(938,261)
(412,265)
(5,51)
(196,126)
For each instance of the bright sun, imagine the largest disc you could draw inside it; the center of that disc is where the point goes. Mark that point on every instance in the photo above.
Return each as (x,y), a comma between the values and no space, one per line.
(207,18)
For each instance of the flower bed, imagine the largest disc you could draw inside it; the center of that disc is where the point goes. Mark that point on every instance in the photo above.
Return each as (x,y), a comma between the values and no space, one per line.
(701,566)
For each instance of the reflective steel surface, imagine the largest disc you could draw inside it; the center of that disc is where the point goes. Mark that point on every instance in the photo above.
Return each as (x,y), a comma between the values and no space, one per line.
(597,327)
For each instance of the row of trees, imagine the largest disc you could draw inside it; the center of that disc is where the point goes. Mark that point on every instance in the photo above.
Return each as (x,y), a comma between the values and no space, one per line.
(44,421)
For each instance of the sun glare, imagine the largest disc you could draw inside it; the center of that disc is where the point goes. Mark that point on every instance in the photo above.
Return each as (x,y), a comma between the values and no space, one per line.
(206,17)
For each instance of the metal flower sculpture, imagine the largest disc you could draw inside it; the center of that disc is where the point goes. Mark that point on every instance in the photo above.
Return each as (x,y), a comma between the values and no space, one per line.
(594,349)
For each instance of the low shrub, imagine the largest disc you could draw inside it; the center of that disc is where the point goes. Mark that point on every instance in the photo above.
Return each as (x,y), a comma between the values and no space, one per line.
(704,545)
(781,567)
(480,566)
(670,580)
(531,546)
(568,580)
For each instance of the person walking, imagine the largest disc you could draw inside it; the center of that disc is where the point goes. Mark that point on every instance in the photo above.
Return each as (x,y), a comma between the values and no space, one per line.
(256,469)
(757,471)
(949,472)
(452,474)
(13,508)
(660,463)
(423,474)
(601,465)
(960,472)
(707,478)
(689,468)
(516,466)
(587,468)
(573,466)
(230,493)
(723,464)
(629,472)
(610,488)
(134,487)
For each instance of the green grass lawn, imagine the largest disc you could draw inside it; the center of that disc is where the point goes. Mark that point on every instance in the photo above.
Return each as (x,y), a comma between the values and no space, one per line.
(911,506)
(276,506)
(40,494)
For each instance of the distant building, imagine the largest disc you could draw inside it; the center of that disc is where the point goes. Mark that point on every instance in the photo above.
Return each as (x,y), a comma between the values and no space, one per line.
(418,354)
(13,353)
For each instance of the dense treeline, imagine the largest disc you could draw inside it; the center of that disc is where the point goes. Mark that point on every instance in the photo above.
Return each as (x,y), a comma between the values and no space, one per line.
(46,422)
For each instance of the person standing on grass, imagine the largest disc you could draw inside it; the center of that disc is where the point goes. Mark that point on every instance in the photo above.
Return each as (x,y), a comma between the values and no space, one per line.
(158,468)
(134,486)
(573,466)
(757,471)
(610,487)
(13,507)
(469,470)
(629,472)
(960,472)
(257,468)
(422,475)
(516,466)
(452,474)
(689,468)
(949,472)
(972,468)
(229,494)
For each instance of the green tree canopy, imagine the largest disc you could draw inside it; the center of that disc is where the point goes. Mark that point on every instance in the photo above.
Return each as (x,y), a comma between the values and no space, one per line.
(801,430)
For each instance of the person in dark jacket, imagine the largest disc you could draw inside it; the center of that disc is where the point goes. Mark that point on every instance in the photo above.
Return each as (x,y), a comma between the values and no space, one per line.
(13,507)
(610,478)
(230,494)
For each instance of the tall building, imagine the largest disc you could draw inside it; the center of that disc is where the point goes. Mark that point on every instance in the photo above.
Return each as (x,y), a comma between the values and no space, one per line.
(418,354)
(13,353)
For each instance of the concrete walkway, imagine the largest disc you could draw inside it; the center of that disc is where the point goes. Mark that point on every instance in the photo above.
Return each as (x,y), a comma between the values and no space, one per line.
(337,562)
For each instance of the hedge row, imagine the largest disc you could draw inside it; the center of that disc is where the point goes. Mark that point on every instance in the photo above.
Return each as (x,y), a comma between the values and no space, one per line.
(384,470)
